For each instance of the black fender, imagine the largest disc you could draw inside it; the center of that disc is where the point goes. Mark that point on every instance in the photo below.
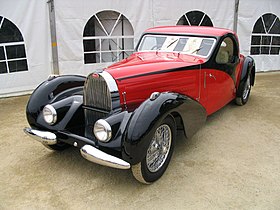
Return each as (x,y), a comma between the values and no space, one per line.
(247,68)
(55,91)
(148,116)
(118,122)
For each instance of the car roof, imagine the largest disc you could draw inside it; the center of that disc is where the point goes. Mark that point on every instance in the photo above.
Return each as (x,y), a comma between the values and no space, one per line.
(197,30)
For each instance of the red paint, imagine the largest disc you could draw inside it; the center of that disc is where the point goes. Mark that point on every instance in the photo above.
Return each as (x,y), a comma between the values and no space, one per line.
(95,75)
(146,72)
(194,30)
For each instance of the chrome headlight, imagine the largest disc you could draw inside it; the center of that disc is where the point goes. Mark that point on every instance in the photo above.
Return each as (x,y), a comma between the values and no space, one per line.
(102,130)
(50,115)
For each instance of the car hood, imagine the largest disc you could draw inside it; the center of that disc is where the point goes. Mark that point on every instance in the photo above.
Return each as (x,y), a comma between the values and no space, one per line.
(151,62)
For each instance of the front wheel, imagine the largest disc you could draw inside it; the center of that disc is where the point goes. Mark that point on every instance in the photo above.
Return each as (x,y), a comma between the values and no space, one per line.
(158,154)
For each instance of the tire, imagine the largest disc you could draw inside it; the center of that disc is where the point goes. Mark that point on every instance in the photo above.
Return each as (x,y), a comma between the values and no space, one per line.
(158,155)
(60,146)
(245,89)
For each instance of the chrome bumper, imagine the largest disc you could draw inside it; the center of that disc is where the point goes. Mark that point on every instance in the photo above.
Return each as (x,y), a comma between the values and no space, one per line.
(44,137)
(97,156)
(87,151)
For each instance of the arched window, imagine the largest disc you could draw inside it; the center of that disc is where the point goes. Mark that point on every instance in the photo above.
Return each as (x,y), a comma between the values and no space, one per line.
(266,35)
(108,37)
(12,50)
(195,18)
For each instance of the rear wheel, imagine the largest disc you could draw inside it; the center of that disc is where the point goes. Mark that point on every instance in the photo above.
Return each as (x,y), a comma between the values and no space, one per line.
(158,154)
(245,90)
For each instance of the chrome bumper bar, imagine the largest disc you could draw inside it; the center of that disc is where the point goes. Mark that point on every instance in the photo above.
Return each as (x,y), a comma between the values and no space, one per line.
(97,156)
(87,151)
(44,137)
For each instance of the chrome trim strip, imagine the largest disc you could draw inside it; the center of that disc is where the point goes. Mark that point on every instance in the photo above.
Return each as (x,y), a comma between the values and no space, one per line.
(124,100)
(97,156)
(51,76)
(44,137)
(101,96)
(110,81)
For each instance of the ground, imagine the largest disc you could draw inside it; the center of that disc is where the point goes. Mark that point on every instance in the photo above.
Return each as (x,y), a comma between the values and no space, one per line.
(233,162)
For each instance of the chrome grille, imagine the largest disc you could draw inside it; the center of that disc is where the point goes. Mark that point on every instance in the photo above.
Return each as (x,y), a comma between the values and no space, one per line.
(96,93)
(101,96)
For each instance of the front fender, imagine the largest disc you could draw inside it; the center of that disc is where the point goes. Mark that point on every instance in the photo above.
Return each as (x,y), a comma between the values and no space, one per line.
(51,91)
(148,116)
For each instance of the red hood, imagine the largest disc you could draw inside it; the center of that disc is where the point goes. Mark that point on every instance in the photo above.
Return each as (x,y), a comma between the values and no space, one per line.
(147,62)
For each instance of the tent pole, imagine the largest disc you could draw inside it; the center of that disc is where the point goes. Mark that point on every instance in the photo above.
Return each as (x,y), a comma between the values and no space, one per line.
(53,37)
(235,21)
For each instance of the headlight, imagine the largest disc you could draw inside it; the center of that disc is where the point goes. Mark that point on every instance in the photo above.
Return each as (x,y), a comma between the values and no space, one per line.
(102,130)
(50,115)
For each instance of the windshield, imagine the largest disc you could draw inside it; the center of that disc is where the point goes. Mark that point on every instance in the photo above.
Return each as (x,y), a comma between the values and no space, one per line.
(201,46)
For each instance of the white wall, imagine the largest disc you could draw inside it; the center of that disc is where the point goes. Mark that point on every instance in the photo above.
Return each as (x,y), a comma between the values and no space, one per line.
(72,17)
(169,12)
(31,17)
(249,12)
(142,14)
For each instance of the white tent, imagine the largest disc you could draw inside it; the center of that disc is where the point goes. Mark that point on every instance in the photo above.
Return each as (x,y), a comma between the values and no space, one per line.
(91,35)
(23,23)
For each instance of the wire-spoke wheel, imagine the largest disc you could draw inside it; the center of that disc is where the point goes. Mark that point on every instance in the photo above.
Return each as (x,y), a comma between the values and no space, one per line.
(158,154)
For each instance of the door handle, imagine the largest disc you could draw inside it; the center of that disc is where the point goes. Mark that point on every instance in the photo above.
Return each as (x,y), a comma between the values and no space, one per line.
(212,76)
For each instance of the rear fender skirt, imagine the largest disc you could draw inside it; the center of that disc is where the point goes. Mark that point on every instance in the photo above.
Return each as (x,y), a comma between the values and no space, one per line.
(148,116)
(248,66)
(51,91)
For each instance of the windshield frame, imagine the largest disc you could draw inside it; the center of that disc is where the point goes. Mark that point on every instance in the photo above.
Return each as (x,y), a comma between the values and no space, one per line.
(140,43)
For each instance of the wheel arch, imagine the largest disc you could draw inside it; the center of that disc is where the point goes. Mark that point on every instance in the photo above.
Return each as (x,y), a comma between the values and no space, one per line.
(186,112)
(178,120)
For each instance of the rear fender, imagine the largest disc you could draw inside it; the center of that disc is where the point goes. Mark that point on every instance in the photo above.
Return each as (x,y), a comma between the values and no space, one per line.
(248,68)
(148,116)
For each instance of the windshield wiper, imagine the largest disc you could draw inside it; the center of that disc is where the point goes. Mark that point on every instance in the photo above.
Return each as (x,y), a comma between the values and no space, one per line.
(196,50)
(172,43)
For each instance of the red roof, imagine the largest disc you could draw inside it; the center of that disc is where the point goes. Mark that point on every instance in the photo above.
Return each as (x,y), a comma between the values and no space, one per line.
(199,30)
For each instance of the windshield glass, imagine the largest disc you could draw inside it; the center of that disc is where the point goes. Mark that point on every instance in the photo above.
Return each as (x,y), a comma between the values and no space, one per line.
(201,46)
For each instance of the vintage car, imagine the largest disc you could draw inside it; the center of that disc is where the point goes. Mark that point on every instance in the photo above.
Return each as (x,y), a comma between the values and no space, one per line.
(126,116)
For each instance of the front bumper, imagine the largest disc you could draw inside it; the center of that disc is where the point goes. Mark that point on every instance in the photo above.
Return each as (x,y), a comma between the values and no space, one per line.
(87,151)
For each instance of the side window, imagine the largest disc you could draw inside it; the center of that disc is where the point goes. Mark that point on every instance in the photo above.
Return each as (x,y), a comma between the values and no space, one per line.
(226,52)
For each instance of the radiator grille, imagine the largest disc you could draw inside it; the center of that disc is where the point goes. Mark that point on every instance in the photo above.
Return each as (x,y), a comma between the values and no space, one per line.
(97,94)
(101,98)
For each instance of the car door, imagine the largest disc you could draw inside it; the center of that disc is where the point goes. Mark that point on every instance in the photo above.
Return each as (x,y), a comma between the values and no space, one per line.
(219,81)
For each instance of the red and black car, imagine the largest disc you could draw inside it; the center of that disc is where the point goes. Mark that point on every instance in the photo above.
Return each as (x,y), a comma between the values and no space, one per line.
(126,116)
